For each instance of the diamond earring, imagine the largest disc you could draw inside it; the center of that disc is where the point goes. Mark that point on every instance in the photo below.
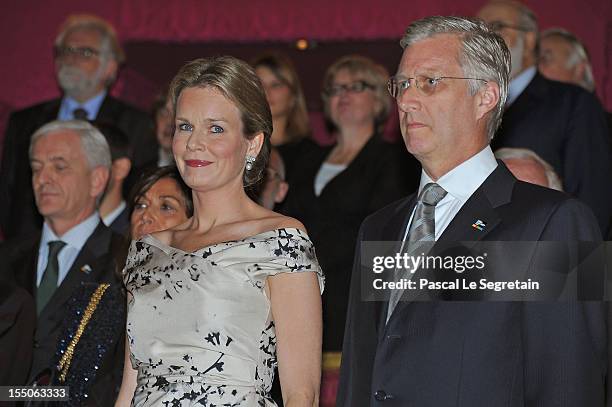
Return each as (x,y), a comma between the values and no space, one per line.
(250,160)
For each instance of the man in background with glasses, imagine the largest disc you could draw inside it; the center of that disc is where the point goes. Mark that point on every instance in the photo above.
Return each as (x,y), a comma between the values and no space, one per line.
(427,349)
(87,57)
(563,124)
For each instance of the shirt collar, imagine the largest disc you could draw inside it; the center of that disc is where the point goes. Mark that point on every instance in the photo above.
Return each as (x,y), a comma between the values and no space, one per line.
(463,180)
(91,106)
(75,237)
(114,214)
(518,84)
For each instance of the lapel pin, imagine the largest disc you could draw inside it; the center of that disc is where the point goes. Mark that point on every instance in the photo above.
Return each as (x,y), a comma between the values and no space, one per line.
(86,269)
(479,225)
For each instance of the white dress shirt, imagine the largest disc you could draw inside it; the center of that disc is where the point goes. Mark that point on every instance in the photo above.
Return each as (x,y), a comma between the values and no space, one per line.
(459,183)
(114,214)
(75,239)
(326,173)
(92,107)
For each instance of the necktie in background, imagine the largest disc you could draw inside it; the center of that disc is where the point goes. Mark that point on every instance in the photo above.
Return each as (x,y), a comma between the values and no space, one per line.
(79,113)
(422,232)
(48,283)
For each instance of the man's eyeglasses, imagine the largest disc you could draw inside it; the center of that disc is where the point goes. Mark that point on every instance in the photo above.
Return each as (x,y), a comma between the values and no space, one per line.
(425,84)
(498,26)
(355,87)
(79,52)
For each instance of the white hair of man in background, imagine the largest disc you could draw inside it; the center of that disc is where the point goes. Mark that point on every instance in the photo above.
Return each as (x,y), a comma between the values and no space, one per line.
(563,57)
(527,166)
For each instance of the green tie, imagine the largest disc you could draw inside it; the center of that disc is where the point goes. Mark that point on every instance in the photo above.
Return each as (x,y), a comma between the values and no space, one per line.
(48,283)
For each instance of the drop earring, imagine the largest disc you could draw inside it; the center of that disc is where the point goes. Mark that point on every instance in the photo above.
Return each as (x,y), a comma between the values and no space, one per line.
(250,160)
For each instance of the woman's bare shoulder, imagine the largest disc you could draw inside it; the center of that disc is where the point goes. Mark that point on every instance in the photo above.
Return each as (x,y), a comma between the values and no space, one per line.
(278,221)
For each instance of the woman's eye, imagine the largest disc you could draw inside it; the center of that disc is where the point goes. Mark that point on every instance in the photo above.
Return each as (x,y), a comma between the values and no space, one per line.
(166,207)
(216,129)
(185,127)
(140,206)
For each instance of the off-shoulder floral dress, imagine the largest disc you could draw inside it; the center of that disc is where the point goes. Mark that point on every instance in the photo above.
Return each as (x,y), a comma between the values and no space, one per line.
(199,324)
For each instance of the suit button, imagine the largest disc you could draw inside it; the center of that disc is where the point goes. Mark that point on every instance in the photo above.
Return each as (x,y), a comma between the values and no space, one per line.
(381,395)
(36,345)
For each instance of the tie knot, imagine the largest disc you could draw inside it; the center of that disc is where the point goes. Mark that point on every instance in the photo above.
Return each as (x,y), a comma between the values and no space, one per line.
(79,113)
(55,247)
(432,194)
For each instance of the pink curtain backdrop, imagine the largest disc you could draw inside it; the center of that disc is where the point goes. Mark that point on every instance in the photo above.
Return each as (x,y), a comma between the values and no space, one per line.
(29,27)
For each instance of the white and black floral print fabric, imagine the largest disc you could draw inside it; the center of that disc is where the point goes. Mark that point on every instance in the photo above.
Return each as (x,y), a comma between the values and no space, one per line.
(199,324)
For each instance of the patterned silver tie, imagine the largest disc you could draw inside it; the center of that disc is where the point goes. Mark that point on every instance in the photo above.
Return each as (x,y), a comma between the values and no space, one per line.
(422,232)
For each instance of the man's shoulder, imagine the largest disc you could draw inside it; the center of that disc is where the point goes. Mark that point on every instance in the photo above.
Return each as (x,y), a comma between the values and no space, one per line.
(560,216)
(125,108)
(559,92)
(35,109)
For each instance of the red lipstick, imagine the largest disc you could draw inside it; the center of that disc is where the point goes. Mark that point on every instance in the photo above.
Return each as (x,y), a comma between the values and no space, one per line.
(197,163)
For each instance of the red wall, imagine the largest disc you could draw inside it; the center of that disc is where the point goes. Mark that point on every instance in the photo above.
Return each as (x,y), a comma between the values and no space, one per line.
(28,28)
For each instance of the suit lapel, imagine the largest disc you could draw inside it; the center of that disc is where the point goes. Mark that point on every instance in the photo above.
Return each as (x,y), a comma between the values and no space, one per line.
(394,231)
(89,266)
(49,112)
(108,110)
(476,219)
(521,109)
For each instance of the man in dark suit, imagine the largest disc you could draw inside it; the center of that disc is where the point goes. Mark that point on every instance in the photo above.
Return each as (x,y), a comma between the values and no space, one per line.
(450,88)
(87,57)
(70,164)
(562,123)
(113,208)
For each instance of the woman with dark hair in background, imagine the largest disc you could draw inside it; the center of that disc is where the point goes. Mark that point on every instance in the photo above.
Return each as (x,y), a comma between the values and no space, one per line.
(209,299)
(287,104)
(159,201)
(336,187)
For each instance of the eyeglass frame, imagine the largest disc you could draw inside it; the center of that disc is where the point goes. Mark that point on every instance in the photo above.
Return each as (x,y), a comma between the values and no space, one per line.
(497,26)
(79,52)
(416,81)
(363,85)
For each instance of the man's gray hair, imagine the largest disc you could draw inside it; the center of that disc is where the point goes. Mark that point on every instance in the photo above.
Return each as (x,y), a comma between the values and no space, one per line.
(579,54)
(109,43)
(507,153)
(93,143)
(484,55)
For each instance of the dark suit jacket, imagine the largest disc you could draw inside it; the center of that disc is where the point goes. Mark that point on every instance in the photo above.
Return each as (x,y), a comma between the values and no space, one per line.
(18,214)
(478,354)
(21,262)
(121,224)
(17,324)
(372,180)
(566,126)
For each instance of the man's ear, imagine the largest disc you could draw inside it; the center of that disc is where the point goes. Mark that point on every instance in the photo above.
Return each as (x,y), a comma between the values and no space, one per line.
(531,41)
(99,179)
(281,192)
(255,144)
(121,168)
(110,71)
(486,99)
(578,71)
